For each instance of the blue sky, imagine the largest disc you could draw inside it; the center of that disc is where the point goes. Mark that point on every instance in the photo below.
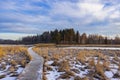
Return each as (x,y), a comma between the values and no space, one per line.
(28,17)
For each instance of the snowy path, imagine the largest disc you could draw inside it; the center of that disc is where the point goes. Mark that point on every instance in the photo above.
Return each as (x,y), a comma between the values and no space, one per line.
(33,71)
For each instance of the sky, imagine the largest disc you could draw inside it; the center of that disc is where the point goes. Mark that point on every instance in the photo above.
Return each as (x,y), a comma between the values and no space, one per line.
(28,17)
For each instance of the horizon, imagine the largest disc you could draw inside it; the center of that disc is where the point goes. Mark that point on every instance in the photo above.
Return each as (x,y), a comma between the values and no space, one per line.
(19,36)
(20,18)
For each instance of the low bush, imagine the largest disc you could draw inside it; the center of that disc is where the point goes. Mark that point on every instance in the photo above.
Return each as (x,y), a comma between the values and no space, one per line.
(44,77)
(2,76)
(23,63)
(55,63)
(66,75)
(99,69)
(11,69)
(2,53)
(45,45)
(92,62)
(77,78)
(75,70)
(64,66)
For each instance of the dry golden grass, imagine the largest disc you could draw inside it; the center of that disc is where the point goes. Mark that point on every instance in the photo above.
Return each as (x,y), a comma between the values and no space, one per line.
(45,45)
(77,78)
(41,51)
(99,69)
(17,53)
(81,56)
(2,53)
(106,65)
(13,63)
(66,75)
(50,53)
(2,76)
(12,58)
(23,63)
(98,60)
(64,66)
(119,66)
(116,57)
(44,77)
(85,78)
(55,63)
(92,62)
(13,50)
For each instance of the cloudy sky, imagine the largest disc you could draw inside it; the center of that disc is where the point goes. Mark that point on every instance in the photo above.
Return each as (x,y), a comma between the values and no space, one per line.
(28,17)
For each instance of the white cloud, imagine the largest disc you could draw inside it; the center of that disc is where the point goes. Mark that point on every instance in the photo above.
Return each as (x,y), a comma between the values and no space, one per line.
(26,18)
(115,14)
(93,9)
(61,14)
(19,28)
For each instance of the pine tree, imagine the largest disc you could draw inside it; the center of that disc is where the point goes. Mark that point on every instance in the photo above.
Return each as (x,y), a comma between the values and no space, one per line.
(77,37)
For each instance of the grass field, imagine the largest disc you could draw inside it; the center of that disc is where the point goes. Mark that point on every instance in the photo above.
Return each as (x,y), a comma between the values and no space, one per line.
(88,45)
(12,61)
(77,64)
(75,45)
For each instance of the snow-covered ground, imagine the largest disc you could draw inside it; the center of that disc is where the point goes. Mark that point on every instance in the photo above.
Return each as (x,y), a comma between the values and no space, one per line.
(81,63)
(8,71)
(10,75)
(13,62)
(103,48)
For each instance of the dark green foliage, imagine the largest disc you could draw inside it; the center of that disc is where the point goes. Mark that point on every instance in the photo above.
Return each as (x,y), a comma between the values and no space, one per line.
(77,37)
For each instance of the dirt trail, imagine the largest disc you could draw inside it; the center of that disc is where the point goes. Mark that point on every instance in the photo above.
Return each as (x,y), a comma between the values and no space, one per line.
(33,71)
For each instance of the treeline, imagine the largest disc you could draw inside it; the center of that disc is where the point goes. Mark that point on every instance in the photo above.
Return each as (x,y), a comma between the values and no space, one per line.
(9,41)
(69,36)
(65,36)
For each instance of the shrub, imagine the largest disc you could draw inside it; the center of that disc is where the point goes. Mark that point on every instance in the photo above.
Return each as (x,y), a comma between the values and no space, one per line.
(45,45)
(13,63)
(2,76)
(44,77)
(92,62)
(116,75)
(14,74)
(64,66)
(85,78)
(116,58)
(99,69)
(67,75)
(119,66)
(23,63)
(56,56)
(2,53)
(11,69)
(55,63)
(49,68)
(3,66)
(81,56)
(77,78)
(106,65)
(75,70)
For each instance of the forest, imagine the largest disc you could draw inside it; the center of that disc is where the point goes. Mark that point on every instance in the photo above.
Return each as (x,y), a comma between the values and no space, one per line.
(65,36)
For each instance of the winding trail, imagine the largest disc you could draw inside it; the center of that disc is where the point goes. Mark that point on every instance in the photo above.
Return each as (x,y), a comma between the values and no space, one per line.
(33,71)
